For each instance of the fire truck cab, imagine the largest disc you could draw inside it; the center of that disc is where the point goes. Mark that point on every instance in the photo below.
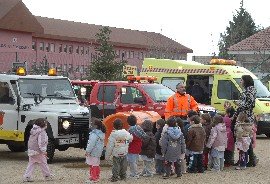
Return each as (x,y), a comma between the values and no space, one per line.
(24,98)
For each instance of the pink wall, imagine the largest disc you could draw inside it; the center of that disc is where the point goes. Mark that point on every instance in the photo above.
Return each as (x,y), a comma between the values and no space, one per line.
(18,45)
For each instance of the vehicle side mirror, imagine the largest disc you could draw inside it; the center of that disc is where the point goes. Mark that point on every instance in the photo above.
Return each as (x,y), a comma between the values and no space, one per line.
(139,100)
(235,96)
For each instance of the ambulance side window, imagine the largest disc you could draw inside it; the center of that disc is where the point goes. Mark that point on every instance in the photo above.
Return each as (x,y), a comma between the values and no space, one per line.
(171,82)
(108,93)
(6,96)
(227,90)
(129,94)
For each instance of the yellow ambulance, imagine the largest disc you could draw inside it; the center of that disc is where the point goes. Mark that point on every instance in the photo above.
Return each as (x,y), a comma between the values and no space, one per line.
(216,84)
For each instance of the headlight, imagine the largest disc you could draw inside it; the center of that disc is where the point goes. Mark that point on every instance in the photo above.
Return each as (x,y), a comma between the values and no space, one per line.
(264,117)
(66,124)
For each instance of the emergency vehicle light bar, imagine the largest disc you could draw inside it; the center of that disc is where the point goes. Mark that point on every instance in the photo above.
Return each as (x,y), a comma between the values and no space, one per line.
(222,62)
(21,71)
(132,79)
(52,72)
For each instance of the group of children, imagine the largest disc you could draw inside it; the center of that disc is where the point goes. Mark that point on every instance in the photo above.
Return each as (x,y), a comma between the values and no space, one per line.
(198,144)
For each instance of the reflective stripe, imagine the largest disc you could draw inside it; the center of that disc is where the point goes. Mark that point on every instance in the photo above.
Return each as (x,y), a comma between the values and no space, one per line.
(176,104)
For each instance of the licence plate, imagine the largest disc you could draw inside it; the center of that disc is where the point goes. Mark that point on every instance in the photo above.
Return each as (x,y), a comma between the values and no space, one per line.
(68,141)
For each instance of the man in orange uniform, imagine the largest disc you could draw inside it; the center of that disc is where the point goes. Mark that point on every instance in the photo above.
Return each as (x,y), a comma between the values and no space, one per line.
(180,103)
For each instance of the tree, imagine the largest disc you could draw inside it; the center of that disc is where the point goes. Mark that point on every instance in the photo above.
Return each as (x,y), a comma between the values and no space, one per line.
(104,66)
(239,29)
(41,68)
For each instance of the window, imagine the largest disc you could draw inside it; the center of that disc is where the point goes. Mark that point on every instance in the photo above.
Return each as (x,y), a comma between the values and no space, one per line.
(117,52)
(86,50)
(41,46)
(70,49)
(52,65)
(60,48)
(140,55)
(52,47)
(127,54)
(81,69)
(171,82)
(227,90)
(6,96)
(59,68)
(82,50)
(47,47)
(34,46)
(65,68)
(65,48)
(70,68)
(129,94)
(108,92)
(131,54)
(77,50)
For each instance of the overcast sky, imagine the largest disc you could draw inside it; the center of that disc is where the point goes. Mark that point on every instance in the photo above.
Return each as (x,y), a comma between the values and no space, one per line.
(196,24)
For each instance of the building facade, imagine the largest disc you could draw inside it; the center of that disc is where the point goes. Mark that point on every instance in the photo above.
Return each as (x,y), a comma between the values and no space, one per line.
(70,46)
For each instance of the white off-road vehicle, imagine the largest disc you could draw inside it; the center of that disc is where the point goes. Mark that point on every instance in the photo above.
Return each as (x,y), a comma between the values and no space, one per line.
(24,98)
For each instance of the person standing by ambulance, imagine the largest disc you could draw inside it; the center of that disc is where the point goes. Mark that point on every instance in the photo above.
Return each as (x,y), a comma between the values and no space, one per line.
(180,103)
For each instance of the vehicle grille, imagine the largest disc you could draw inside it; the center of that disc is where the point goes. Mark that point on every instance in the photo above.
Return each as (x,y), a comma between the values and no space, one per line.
(80,124)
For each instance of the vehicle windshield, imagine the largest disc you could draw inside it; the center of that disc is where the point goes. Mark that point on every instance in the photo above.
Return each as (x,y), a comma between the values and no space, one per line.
(158,92)
(262,91)
(48,88)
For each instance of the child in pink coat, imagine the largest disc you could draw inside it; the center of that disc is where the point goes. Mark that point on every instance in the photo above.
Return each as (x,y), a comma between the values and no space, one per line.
(228,154)
(37,147)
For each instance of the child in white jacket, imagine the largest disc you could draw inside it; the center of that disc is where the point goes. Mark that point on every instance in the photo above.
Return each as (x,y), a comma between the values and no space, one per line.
(37,147)
(118,147)
(94,150)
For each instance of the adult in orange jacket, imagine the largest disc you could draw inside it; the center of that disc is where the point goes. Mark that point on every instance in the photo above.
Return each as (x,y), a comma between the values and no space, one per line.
(180,103)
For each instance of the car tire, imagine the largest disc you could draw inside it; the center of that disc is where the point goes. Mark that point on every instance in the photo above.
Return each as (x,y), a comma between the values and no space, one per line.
(16,147)
(50,150)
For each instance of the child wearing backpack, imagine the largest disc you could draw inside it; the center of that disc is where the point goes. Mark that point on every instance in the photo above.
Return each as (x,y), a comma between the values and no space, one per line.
(243,133)
(159,159)
(172,146)
(148,149)
(94,150)
(135,146)
(118,148)
(37,147)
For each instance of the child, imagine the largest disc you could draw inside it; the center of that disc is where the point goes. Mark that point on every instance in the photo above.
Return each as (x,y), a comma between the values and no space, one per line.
(195,144)
(243,132)
(118,147)
(228,154)
(158,157)
(218,143)
(183,161)
(94,150)
(135,145)
(37,147)
(172,145)
(148,148)
(206,122)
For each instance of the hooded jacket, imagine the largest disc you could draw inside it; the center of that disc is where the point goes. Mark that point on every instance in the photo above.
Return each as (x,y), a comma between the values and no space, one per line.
(230,143)
(172,144)
(149,141)
(95,143)
(195,138)
(243,129)
(218,137)
(135,147)
(38,141)
(118,143)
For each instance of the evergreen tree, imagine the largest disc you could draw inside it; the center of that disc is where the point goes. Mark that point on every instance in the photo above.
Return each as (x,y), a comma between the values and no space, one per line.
(105,66)
(41,68)
(239,29)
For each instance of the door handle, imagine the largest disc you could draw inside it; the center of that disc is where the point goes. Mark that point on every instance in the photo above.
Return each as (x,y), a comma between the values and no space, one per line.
(217,103)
